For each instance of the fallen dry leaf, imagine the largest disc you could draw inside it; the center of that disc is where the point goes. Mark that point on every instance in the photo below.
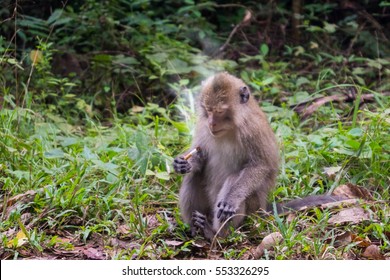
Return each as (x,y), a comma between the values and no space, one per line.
(271,240)
(94,254)
(350,255)
(123,244)
(200,243)
(266,244)
(152,221)
(343,239)
(137,109)
(362,242)
(352,191)
(353,215)
(173,242)
(18,241)
(9,233)
(291,217)
(331,172)
(373,252)
(62,240)
(123,229)
(25,218)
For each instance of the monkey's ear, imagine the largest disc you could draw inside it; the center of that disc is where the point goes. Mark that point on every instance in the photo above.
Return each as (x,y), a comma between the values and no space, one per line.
(244,95)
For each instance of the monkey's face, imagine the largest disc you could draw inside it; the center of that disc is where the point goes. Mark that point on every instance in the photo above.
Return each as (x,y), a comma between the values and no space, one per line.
(223,103)
(219,120)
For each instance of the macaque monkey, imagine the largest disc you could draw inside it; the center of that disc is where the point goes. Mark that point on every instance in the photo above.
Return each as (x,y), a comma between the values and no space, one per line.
(233,161)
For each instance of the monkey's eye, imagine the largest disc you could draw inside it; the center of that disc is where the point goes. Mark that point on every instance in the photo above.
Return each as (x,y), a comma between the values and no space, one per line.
(205,110)
(244,95)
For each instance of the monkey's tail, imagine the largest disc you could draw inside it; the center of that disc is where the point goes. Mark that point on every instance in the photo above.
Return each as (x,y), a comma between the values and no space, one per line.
(309,201)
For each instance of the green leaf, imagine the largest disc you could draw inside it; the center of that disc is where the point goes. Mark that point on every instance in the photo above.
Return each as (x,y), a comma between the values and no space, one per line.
(384,4)
(88,155)
(69,141)
(126,60)
(375,64)
(102,58)
(302,81)
(54,153)
(264,49)
(106,166)
(157,58)
(181,127)
(330,27)
(62,21)
(54,16)
(163,175)
(268,81)
(356,132)
(179,66)
(353,144)
(315,139)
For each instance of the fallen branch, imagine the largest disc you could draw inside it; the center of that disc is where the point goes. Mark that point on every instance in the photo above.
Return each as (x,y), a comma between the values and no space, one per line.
(305,110)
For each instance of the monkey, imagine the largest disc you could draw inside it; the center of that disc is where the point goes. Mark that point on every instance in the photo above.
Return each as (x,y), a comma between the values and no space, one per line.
(233,161)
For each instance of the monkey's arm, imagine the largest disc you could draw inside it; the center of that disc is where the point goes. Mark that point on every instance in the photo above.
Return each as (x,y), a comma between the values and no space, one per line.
(251,181)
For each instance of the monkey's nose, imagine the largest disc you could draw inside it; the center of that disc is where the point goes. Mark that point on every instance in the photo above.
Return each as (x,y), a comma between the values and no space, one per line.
(212,123)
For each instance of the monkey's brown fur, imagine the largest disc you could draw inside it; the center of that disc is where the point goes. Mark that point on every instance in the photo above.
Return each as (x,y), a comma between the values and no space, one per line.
(236,167)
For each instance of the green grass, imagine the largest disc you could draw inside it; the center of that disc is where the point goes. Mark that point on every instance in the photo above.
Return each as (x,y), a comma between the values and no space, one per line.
(92,179)
(111,187)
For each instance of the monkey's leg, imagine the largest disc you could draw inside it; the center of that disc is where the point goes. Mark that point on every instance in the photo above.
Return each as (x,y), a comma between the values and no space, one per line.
(192,200)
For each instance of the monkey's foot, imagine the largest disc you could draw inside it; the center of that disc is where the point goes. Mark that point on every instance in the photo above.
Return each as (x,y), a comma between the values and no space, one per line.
(198,221)
(225,211)
(201,225)
(181,165)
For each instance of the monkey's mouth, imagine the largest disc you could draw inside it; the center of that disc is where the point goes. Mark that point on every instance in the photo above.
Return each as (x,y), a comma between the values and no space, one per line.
(217,132)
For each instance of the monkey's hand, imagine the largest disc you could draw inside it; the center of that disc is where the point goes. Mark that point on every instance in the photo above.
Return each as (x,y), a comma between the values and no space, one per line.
(182,165)
(225,211)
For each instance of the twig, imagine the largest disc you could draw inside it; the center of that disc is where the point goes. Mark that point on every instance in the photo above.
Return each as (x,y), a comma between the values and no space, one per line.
(247,18)
(354,39)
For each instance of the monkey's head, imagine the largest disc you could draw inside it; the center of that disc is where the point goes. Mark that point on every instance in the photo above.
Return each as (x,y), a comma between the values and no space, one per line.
(223,99)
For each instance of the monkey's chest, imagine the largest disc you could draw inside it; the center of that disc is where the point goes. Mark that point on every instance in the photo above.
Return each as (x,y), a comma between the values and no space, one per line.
(224,162)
